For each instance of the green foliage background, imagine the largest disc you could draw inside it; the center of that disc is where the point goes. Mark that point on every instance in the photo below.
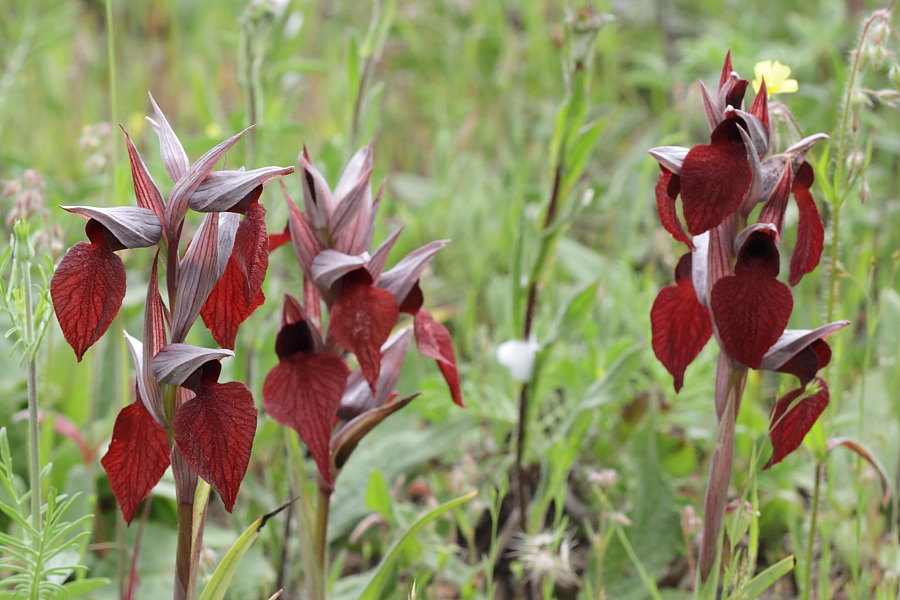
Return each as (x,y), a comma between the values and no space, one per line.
(461,114)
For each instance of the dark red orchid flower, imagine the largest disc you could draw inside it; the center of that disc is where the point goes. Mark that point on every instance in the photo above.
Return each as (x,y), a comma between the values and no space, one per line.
(727,286)
(313,389)
(181,411)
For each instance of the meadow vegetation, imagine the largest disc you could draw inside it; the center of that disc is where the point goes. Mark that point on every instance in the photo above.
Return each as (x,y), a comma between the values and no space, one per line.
(523,140)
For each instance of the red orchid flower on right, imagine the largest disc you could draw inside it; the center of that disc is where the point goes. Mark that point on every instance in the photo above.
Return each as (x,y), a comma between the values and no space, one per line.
(727,283)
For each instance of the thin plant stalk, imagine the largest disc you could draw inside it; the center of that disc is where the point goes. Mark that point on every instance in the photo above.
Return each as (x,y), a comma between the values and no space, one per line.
(527,330)
(734,377)
(841,183)
(34,443)
(323,507)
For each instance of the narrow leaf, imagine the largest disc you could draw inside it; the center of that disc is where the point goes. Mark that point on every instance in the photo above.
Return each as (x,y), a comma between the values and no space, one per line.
(403,276)
(196,277)
(867,455)
(373,590)
(228,566)
(146,191)
(349,435)
(188,184)
(757,586)
(174,157)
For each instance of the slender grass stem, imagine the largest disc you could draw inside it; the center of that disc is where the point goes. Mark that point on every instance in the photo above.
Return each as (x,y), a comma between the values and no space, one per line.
(34,445)
(811,539)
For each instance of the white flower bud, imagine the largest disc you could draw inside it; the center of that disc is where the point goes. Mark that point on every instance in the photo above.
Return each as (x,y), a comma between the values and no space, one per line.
(518,357)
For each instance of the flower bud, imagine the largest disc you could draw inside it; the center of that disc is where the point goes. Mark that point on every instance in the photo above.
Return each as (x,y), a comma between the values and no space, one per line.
(518,357)
(856,161)
(22,249)
(894,75)
(878,32)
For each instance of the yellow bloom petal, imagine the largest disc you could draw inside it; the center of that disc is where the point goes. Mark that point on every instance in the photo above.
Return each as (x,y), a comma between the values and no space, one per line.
(777,78)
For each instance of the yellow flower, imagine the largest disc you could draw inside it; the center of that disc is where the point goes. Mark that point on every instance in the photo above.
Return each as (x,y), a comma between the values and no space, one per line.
(776,76)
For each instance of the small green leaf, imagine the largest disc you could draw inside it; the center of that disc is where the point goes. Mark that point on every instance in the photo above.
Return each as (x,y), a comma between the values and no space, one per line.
(577,158)
(378,496)
(373,588)
(765,580)
(80,588)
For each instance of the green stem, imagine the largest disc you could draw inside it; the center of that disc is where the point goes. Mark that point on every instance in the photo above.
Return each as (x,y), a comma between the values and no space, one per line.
(34,448)
(113,90)
(811,540)
(34,443)
(321,544)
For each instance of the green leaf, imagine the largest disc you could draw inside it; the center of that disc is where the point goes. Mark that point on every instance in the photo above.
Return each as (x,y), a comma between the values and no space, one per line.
(575,313)
(578,154)
(378,497)
(759,584)
(373,588)
(82,587)
(224,573)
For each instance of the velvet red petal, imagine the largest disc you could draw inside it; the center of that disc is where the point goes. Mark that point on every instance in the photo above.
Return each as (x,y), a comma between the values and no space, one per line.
(433,340)
(87,291)
(304,391)
(715,178)
(810,231)
(214,431)
(787,428)
(751,308)
(665,206)
(362,318)
(239,290)
(137,457)
(681,325)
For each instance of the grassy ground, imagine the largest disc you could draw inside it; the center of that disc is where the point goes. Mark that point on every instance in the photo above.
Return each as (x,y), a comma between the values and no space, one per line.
(460,104)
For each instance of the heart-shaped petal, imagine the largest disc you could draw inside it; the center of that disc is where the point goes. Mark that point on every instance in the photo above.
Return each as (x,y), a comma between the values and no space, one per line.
(715,178)
(681,325)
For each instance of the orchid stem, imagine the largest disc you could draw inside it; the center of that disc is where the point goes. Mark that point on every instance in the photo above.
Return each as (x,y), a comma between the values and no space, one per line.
(321,541)
(735,377)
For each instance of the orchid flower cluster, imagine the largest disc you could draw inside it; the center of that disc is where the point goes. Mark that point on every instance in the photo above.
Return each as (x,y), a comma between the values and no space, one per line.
(734,194)
(182,414)
(312,388)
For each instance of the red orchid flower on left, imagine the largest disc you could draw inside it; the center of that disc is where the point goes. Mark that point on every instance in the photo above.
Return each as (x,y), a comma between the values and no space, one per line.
(182,414)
